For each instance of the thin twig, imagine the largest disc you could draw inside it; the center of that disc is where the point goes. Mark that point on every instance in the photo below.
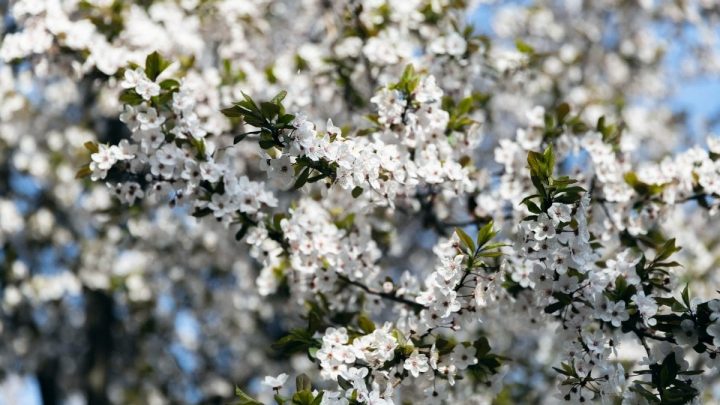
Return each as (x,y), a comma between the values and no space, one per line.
(382,294)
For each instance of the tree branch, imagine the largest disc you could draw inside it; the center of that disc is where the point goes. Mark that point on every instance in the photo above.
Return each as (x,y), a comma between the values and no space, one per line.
(389,296)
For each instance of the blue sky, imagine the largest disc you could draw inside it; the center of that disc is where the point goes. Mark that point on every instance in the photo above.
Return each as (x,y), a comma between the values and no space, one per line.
(699,96)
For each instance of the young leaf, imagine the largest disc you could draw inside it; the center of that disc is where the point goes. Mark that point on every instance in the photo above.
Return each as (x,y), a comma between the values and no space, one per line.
(549,158)
(92,147)
(302,179)
(269,110)
(524,47)
(686,295)
(532,207)
(343,383)
(318,398)
(465,239)
(154,65)
(169,84)
(277,100)
(130,96)
(249,103)
(536,162)
(668,370)
(667,249)
(241,232)
(269,143)
(304,397)
(464,106)
(366,324)
(84,171)
(238,138)
(245,399)
(485,234)
(562,111)
(302,383)
(233,112)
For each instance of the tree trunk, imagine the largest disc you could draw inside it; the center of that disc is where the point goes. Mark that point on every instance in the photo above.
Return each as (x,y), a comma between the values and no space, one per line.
(100,320)
(47,380)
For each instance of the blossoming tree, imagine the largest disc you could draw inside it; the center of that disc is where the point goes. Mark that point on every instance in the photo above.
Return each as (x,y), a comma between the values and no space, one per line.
(384,199)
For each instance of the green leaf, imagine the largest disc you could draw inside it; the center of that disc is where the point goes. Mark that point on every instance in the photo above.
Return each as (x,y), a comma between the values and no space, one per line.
(269,143)
(490,254)
(600,126)
(366,324)
(269,110)
(668,264)
(408,81)
(644,393)
(568,368)
(567,198)
(672,303)
(554,307)
(245,399)
(532,207)
(169,84)
(464,106)
(530,197)
(298,339)
(84,171)
(485,234)
(579,128)
(154,65)
(130,96)
(537,182)
(199,145)
(302,179)
(303,383)
(304,397)
(524,47)
(357,191)
(241,232)
(549,159)
(233,112)
(668,370)
(318,398)
(561,371)
(343,383)
(249,103)
(496,245)
(667,249)
(536,162)
(466,240)
(92,147)
(482,346)
(347,222)
(277,100)
(562,111)
(201,212)
(571,190)
(285,119)
(239,138)
(408,73)
(686,295)
(315,321)
(641,187)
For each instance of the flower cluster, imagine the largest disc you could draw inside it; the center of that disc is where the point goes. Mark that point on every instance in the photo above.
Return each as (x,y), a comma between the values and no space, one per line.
(168,155)
(461,282)
(410,117)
